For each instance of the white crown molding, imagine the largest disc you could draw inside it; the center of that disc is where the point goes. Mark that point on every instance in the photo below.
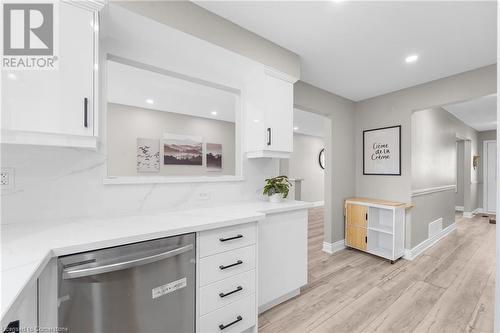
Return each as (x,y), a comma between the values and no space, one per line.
(430,190)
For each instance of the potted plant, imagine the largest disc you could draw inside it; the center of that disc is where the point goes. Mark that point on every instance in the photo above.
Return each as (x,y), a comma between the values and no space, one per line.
(277,188)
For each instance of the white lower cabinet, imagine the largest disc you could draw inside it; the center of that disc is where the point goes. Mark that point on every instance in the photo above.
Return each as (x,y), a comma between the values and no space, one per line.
(221,293)
(237,317)
(282,257)
(227,279)
(226,264)
(22,317)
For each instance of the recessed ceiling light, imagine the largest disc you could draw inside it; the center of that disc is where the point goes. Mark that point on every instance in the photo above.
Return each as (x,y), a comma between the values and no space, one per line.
(411,58)
(150,101)
(12,76)
(295,128)
(256,120)
(213,113)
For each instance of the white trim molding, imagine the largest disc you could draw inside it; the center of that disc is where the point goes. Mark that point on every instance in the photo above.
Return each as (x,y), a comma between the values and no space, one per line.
(468,215)
(430,190)
(169,180)
(474,212)
(331,248)
(411,254)
(459,208)
(484,162)
(318,203)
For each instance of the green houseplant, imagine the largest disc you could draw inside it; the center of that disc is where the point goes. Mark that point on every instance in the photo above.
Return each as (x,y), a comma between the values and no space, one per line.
(277,188)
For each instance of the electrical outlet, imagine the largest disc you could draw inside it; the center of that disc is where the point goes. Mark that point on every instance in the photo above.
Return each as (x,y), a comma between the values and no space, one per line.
(203,196)
(7,179)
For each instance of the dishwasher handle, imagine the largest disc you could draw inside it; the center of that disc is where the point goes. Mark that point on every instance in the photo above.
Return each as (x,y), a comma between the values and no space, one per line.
(78,273)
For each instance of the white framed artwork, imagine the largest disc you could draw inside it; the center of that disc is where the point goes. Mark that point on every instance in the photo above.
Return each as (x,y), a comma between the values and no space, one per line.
(148,155)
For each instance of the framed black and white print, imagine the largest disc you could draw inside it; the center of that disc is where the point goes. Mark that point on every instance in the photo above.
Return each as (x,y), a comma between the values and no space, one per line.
(382,151)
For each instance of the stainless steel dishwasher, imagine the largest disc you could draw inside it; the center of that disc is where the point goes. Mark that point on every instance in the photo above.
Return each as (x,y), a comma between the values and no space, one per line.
(145,287)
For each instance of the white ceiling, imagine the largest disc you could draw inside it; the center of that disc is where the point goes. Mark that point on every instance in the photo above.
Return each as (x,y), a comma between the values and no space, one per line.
(133,86)
(309,123)
(479,113)
(357,49)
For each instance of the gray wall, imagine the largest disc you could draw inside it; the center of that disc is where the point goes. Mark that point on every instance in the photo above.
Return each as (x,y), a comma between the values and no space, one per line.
(339,173)
(482,136)
(396,109)
(304,164)
(433,148)
(197,21)
(127,123)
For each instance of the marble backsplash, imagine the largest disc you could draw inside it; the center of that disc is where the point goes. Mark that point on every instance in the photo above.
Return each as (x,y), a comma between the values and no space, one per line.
(53,183)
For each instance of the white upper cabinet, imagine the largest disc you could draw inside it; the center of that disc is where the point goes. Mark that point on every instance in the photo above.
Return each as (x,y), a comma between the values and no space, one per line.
(269,115)
(57,107)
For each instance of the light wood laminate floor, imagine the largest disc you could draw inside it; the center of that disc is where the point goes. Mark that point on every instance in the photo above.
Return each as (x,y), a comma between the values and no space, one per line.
(449,288)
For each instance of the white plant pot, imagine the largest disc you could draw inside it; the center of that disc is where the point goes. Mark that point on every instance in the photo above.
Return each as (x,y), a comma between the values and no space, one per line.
(275,198)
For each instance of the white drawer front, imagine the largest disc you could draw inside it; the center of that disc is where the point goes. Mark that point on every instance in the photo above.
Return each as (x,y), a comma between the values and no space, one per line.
(226,264)
(225,239)
(244,309)
(232,289)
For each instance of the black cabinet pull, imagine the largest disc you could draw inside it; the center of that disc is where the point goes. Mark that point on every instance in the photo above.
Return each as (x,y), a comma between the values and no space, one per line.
(85,111)
(239,288)
(230,238)
(269,136)
(239,318)
(239,262)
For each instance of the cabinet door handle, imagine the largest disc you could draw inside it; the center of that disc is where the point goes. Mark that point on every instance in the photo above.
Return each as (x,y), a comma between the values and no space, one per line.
(85,112)
(239,262)
(239,288)
(239,318)
(269,136)
(230,238)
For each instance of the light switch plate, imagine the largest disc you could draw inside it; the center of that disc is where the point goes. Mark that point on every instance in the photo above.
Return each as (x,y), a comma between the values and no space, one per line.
(7,179)
(203,196)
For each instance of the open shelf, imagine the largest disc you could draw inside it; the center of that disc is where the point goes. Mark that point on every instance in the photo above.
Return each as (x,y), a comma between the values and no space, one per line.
(384,229)
(380,243)
(382,252)
(381,219)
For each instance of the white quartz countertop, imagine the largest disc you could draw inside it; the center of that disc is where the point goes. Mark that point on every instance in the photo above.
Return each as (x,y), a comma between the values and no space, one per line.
(27,247)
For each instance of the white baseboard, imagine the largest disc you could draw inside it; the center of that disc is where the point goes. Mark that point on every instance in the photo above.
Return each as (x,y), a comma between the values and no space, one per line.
(468,215)
(459,208)
(284,298)
(411,254)
(333,247)
(479,211)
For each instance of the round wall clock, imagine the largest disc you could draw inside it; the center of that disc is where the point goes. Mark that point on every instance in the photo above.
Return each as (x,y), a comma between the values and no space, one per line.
(322,158)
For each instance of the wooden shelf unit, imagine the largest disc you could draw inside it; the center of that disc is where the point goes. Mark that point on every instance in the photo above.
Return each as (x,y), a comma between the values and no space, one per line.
(376,226)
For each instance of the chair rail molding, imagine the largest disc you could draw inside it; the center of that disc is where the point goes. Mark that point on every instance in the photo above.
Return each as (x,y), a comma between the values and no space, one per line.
(425,191)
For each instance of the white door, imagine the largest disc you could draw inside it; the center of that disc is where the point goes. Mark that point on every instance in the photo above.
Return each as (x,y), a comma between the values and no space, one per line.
(53,101)
(490,177)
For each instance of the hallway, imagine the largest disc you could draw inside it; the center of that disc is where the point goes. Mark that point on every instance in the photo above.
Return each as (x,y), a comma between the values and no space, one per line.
(449,288)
